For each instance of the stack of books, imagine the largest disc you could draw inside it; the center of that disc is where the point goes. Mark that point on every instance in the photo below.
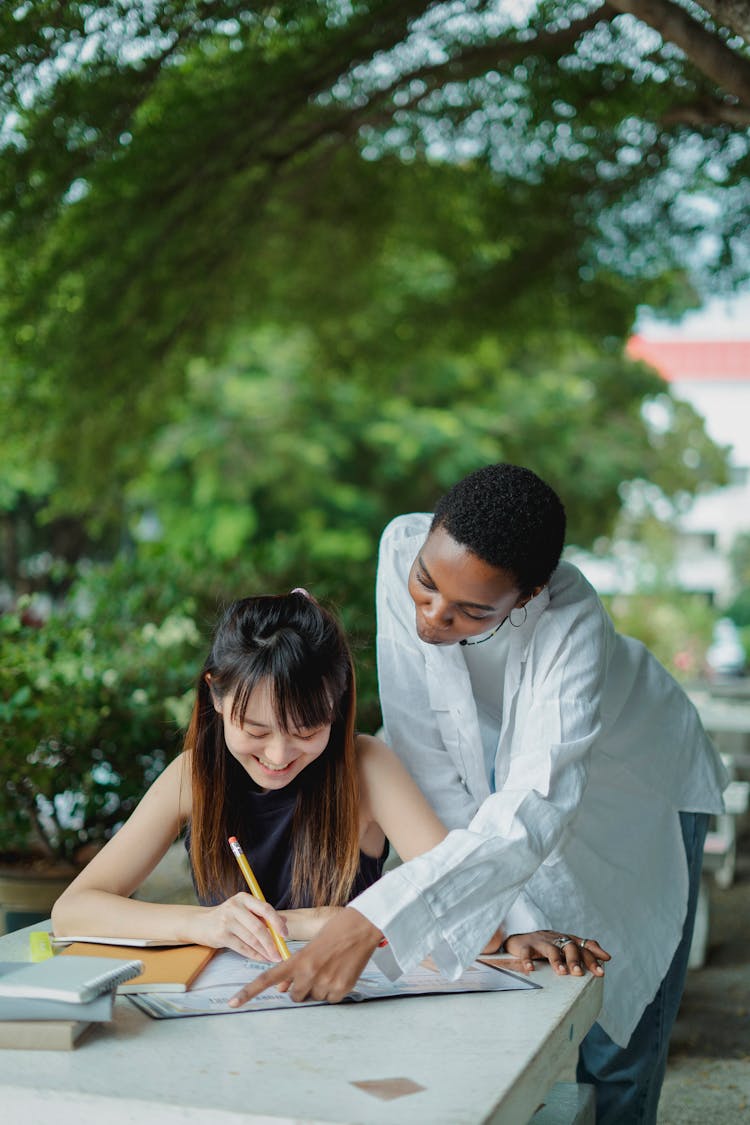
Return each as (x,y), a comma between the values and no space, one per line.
(50,1004)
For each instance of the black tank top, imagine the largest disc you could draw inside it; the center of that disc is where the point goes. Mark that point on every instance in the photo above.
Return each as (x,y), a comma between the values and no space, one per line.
(267,840)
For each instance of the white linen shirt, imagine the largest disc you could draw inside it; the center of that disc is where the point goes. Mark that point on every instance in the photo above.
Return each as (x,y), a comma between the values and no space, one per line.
(599,750)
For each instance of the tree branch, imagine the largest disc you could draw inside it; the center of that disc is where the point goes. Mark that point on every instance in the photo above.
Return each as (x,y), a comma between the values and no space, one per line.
(705,50)
(478,60)
(734,14)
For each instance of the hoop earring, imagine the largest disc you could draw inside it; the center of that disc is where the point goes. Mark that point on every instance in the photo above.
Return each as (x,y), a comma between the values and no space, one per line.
(518,624)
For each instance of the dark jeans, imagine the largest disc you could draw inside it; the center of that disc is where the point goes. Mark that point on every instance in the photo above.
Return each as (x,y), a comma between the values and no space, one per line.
(628,1080)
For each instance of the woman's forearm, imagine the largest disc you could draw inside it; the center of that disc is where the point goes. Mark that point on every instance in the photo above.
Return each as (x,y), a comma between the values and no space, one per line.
(306,922)
(102,914)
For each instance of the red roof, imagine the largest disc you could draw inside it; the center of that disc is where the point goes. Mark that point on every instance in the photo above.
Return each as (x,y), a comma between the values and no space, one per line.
(699,360)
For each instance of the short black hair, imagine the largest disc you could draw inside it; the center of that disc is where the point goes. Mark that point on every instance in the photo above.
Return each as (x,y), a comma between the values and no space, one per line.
(509,518)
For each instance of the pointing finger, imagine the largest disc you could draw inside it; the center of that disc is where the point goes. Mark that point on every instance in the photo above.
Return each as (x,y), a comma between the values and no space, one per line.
(267,979)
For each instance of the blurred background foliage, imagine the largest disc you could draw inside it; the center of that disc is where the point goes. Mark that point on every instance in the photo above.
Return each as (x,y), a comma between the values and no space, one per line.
(271,273)
(92,704)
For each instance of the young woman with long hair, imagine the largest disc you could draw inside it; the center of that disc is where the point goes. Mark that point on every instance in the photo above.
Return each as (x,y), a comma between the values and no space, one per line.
(271,756)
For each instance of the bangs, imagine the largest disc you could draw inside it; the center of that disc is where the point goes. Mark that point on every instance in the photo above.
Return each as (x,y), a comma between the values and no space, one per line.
(300,701)
(300,706)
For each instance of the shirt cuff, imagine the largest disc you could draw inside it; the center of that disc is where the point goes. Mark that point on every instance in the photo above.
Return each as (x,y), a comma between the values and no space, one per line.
(384,960)
(523,919)
(395,906)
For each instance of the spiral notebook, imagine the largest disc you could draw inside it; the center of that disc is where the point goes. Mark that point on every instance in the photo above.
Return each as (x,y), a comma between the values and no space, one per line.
(75,979)
(15,1008)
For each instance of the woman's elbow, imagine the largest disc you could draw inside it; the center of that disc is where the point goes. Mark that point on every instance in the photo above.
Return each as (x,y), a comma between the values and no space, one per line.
(63,914)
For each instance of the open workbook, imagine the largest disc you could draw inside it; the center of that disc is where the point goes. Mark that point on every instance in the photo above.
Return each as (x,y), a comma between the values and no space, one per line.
(228,971)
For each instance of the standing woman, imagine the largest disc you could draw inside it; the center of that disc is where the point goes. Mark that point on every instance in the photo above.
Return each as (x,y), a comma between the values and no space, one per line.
(571,768)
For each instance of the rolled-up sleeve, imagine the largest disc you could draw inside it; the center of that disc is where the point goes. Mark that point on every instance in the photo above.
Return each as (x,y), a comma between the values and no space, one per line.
(448,902)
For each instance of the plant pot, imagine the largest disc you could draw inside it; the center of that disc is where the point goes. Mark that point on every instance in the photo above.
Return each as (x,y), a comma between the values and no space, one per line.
(28,893)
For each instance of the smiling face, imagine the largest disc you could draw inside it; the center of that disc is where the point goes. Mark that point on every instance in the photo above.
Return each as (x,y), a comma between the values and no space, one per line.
(271,755)
(456,594)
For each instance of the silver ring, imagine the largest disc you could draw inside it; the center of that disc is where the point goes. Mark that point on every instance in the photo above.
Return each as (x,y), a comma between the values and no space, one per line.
(582,944)
(562,941)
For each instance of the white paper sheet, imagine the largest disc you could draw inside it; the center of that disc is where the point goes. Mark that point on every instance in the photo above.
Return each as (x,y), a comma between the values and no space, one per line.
(228,971)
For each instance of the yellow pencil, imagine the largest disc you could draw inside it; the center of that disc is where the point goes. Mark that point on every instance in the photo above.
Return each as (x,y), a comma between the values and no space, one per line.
(255,891)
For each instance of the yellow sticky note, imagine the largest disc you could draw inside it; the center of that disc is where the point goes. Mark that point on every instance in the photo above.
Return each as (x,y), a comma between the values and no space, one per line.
(41,947)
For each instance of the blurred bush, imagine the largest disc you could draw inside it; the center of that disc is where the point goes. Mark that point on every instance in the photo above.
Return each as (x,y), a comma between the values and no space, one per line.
(93,703)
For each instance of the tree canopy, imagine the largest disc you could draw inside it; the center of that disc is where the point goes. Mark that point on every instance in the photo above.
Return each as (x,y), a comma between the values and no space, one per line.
(426,224)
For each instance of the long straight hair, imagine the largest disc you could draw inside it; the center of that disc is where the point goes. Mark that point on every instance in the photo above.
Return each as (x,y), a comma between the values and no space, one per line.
(298,649)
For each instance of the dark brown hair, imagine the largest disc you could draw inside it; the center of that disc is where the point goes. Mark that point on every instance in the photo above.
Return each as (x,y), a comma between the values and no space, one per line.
(298,648)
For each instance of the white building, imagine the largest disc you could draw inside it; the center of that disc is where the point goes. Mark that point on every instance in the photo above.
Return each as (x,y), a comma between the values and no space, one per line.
(706,361)
(714,377)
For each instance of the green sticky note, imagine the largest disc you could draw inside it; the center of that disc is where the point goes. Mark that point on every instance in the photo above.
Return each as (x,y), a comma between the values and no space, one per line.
(41,947)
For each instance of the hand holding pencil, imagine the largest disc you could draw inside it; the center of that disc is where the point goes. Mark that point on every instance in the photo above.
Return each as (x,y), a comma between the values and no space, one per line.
(256,892)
